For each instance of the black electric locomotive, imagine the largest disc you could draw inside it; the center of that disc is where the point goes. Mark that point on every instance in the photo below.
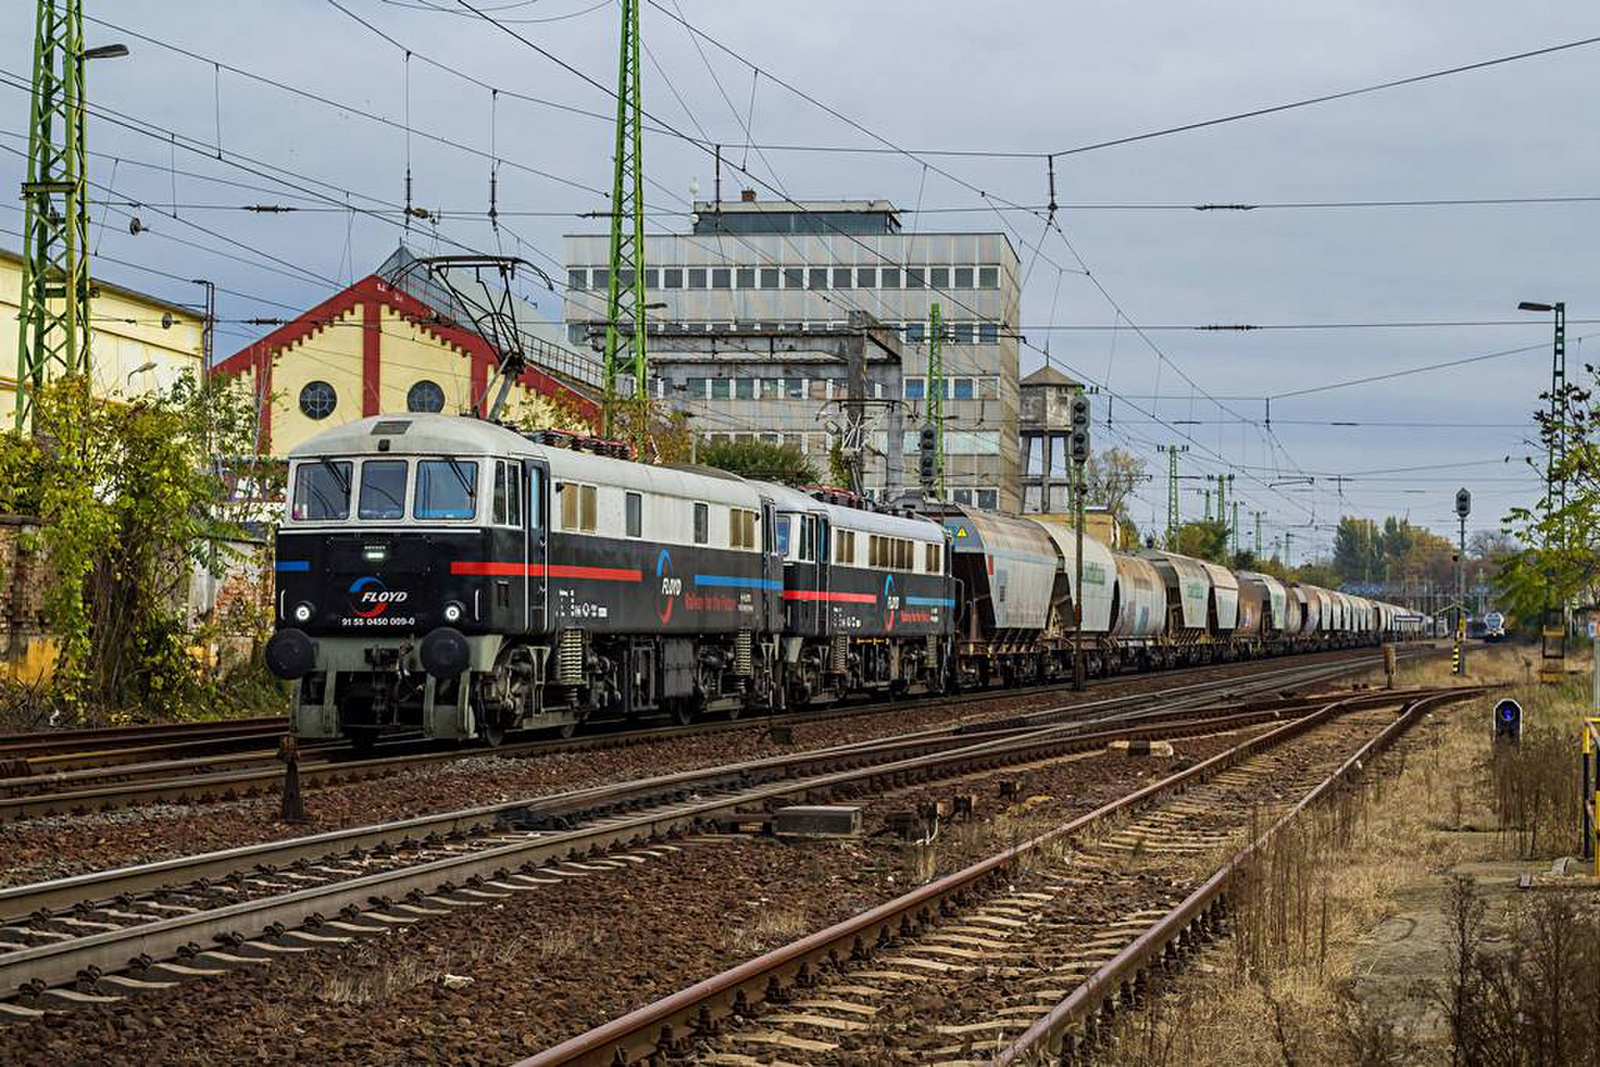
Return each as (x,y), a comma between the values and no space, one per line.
(451,574)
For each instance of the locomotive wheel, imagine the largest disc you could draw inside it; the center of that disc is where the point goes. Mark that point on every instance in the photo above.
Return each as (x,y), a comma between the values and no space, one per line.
(491,731)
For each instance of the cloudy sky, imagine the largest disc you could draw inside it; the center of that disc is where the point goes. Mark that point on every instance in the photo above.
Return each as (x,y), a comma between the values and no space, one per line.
(1024,79)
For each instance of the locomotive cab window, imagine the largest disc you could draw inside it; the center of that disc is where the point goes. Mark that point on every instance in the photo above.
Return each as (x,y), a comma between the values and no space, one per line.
(507,494)
(446,489)
(383,489)
(633,505)
(844,542)
(322,491)
(702,524)
(933,554)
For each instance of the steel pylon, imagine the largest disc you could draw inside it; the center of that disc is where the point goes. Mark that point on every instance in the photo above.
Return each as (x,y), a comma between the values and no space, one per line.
(625,348)
(53,337)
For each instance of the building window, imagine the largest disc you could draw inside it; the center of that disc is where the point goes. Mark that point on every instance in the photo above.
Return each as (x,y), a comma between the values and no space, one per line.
(988,277)
(577,279)
(425,396)
(818,278)
(889,278)
(769,277)
(747,277)
(989,498)
(961,389)
(720,389)
(963,278)
(317,400)
(652,278)
(721,278)
(988,333)
(915,388)
(961,333)
(795,388)
(938,277)
(962,496)
(702,524)
(914,277)
(602,277)
(633,505)
(794,277)
(672,278)
(915,332)
(697,277)
(866,277)
(841,277)
(625,279)
(744,389)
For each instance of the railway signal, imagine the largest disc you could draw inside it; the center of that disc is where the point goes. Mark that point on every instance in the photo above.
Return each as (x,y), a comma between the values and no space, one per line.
(1078,449)
(1463,509)
(1508,721)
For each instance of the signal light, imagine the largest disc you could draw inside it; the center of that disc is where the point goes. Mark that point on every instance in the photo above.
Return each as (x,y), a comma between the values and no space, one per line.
(1078,446)
(1080,411)
(1508,721)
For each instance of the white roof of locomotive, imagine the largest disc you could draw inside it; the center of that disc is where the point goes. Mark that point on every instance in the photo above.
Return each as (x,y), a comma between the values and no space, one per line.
(459,435)
(857,519)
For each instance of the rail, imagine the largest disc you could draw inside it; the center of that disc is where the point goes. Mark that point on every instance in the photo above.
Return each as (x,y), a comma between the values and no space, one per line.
(667,1027)
(1123,975)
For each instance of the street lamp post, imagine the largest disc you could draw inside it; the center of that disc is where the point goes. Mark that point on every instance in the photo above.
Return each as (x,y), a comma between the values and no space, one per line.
(1553,627)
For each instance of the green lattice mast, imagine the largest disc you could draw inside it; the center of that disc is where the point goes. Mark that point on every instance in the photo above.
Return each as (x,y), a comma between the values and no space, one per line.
(936,395)
(627,246)
(54,335)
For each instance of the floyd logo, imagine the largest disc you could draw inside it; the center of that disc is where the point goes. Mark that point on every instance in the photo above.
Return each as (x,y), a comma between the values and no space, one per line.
(671,586)
(369,597)
(891,603)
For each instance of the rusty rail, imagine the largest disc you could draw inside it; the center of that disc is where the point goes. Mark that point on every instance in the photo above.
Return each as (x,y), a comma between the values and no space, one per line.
(668,1027)
(1122,978)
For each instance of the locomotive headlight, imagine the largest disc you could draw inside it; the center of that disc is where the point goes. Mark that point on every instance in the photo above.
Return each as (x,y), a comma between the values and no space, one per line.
(303,612)
(453,612)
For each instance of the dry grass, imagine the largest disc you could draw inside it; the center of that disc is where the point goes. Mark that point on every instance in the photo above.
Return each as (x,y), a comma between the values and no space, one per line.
(1280,990)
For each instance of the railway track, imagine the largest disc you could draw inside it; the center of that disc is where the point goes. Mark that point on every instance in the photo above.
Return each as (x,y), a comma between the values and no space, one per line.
(76,940)
(1022,955)
(81,789)
(68,749)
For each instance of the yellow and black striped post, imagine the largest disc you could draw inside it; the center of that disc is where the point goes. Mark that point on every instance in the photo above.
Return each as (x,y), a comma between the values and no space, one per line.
(1591,792)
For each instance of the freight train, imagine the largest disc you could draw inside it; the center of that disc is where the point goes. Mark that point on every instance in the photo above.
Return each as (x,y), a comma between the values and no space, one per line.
(450,575)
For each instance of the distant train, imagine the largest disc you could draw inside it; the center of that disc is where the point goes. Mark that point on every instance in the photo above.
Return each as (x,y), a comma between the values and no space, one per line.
(448,574)
(1494,626)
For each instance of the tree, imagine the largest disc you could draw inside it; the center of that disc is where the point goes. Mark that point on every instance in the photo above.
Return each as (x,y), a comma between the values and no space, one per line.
(1203,540)
(1358,549)
(1110,478)
(1559,563)
(761,460)
(130,504)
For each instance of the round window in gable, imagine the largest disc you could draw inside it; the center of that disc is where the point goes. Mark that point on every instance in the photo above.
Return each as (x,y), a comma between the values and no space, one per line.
(318,400)
(425,396)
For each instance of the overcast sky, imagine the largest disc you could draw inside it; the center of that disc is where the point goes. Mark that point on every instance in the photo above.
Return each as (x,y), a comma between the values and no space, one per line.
(998,76)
